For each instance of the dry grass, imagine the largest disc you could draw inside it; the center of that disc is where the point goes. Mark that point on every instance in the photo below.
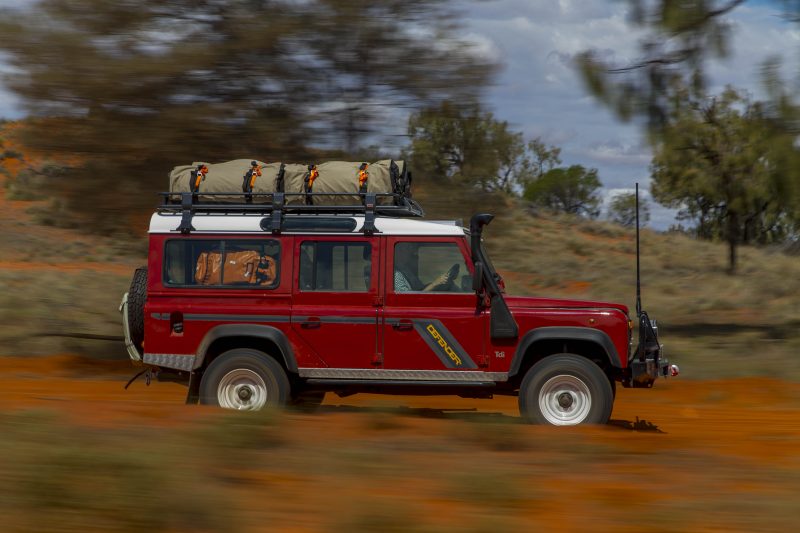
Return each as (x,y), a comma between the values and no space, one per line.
(37,306)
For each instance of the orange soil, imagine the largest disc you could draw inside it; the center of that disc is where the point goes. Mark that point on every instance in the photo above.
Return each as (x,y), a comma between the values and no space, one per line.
(698,449)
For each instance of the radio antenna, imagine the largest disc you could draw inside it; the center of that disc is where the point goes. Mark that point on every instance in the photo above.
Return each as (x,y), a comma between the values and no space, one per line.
(638,276)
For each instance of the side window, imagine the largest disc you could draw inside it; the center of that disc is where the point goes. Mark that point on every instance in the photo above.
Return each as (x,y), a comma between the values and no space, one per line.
(222,263)
(430,267)
(335,266)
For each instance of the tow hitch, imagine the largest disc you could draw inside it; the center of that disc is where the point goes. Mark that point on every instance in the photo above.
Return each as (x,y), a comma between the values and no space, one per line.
(149,374)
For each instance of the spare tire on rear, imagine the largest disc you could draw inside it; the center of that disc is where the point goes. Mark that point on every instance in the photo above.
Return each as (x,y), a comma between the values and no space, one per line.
(137,293)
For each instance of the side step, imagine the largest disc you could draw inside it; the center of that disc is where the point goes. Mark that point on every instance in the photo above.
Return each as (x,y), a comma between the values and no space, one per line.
(397,383)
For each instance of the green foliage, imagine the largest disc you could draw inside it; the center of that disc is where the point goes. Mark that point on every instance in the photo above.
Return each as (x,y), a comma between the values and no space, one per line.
(680,36)
(134,87)
(718,162)
(572,190)
(465,145)
(545,158)
(623,210)
(468,146)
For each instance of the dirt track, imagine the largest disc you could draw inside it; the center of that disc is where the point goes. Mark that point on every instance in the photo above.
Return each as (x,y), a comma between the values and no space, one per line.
(687,455)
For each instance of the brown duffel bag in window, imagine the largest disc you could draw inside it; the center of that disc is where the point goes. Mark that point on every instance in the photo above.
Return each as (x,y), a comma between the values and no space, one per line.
(247,267)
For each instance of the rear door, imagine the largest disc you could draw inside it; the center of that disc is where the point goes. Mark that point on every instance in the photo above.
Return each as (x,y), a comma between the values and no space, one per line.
(335,307)
(431,318)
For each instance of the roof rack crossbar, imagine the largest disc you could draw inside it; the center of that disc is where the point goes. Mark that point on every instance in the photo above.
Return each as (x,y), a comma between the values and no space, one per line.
(277,204)
(277,212)
(186,213)
(369,213)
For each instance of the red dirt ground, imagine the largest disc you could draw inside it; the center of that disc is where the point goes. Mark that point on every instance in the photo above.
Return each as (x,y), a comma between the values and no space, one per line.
(686,455)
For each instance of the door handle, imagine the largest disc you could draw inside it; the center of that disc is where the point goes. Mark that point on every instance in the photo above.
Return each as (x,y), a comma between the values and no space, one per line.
(403,325)
(311,323)
(176,323)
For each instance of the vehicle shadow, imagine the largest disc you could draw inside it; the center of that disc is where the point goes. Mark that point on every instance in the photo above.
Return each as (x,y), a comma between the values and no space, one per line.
(638,425)
(471,415)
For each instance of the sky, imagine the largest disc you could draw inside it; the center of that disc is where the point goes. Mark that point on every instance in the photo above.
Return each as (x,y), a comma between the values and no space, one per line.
(539,91)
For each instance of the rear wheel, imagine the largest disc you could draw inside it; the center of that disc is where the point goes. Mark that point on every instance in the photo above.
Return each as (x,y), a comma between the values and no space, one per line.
(245,380)
(566,390)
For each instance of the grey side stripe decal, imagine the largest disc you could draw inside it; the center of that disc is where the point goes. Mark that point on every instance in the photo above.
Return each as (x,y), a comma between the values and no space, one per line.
(236,318)
(269,318)
(339,319)
(444,345)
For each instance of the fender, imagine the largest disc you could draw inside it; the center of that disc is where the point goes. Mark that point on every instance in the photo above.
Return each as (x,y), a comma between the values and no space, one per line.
(248,330)
(566,333)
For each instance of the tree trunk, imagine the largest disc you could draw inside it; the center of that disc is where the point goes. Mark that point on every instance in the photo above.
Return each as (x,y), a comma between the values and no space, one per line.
(733,241)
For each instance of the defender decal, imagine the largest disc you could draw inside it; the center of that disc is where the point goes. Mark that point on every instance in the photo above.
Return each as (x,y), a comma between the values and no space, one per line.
(443,344)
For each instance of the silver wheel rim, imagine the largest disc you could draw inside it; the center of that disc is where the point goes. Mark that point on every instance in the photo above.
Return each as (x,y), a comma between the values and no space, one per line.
(565,400)
(242,389)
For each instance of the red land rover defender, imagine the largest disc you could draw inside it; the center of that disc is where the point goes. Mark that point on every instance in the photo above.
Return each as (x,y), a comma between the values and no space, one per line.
(279,303)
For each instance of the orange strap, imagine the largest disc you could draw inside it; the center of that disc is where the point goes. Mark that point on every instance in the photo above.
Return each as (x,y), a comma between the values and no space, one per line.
(255,172)
(312,175)
(201,176)
(363,175)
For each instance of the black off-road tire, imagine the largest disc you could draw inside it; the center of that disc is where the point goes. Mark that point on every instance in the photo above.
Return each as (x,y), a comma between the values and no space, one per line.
(246,380)
(137,293)
(565,390)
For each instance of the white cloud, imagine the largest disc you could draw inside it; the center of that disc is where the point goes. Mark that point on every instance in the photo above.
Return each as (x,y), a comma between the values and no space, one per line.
(620,153)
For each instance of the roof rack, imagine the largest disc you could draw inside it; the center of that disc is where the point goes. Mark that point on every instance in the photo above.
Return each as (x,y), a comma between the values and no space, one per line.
(277,204)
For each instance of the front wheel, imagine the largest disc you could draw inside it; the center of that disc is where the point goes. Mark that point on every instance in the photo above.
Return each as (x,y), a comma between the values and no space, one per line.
(566,390)
(245,380)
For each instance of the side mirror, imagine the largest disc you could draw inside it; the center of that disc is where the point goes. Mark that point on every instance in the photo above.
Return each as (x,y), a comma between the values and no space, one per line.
(477,279)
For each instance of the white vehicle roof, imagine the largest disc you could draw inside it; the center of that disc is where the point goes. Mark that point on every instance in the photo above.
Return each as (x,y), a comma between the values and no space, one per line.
(248,224)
